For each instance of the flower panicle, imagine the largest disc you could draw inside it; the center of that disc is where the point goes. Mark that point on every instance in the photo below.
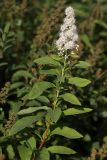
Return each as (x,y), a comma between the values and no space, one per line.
(68,35)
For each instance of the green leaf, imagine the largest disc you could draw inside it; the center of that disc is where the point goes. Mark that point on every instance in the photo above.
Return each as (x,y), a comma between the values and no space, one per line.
(31,110)
(4,139)
(16,85)
(32,103)
(53,115)
(71,98)
(24,152)
(7,47)
(103,34)
(10,151)
(56,114)
(50,72)
(32,142)
(20,67)
(44,154)
(24,123)
(7,27)
(83,64)
(43,99)
(22,91)
(56,57)
(37,133)
(61,150)
(15,105)
(79,82)
(86,40)
(47,61)
(3,64)
(67,132)
(73,111)
(81,12)
(101,23)
(21,73)
(39,88)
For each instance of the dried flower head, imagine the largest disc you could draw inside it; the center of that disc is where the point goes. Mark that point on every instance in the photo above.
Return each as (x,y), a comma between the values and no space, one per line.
(11,120)
(4,93)
(68,35)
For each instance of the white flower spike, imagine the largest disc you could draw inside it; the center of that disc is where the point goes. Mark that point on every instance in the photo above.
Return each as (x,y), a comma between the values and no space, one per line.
(68,35)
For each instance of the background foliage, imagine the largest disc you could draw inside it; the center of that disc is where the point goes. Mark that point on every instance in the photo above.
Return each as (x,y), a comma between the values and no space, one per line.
(27,31)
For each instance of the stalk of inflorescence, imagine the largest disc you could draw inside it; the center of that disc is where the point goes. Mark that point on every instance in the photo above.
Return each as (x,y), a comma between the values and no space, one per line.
(59,85)
(66,43)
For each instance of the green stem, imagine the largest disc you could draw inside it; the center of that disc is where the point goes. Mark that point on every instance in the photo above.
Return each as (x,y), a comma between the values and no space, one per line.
(46,133)
(60,82)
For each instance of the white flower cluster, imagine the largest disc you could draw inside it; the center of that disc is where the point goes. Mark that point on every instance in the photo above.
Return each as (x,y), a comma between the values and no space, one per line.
(68,35)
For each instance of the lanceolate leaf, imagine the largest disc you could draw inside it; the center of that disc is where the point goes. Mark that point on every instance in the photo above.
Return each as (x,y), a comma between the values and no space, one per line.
(21,73)
(61,150)
(50,72)
(67,132)
(10,151)
(43,99)
(44,154)
(53,115)
(39,88)
(47,61)
(83,64)
(15,105)
(86,40)
(3,64)
(24,152)
(101,23)
(23,123)
(79,82)
(71,98)
(31,110)
(7,27)
(16,85)
(74,111)
(56,57)
(32,142)
(56,114)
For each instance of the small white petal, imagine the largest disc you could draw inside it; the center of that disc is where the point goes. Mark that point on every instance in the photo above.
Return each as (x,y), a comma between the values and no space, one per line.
(75,38)
(69,21)
(63,27)
(69,11)
(69,45)
(69,33)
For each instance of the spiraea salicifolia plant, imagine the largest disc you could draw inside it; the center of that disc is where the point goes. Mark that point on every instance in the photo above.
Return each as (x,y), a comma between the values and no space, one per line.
(40,130)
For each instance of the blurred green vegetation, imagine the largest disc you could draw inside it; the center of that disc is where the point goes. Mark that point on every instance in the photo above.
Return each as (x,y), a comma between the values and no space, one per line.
(28,29)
